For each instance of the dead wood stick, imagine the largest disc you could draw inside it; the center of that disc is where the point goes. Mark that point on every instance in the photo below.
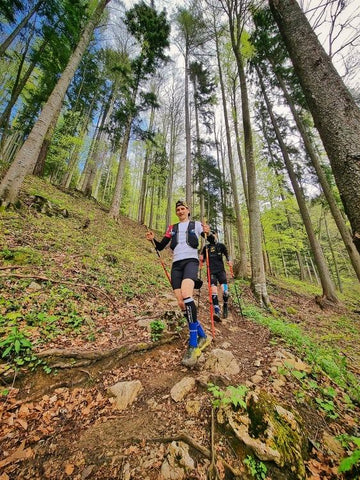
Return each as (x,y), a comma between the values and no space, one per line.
(212,473)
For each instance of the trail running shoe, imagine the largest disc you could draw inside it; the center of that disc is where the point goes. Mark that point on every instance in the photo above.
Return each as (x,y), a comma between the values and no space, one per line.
(203,342)
(217,313)
(225,310)
(191,356)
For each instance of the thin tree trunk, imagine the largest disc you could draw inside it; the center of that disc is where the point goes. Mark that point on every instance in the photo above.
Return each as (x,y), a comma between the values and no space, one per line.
(173,139)
(278,177)
(188,173)
(238,144)
(145,173)
(115,205)
(198,155)
(26,158)
(4,46)
(258,281)
(74,159)
(94,160)
(15,91)
(242,267)
(84,177)
(333,254)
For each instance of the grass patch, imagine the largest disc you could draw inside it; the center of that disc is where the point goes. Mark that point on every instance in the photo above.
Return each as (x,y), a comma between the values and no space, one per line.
(316,354)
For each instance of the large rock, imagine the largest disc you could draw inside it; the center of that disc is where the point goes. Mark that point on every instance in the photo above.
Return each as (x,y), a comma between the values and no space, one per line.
(270,431)
(125,393)
(222,362)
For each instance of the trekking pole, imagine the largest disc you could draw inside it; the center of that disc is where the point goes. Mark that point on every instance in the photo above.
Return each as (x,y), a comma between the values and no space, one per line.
(209,285)
(199,289)
(236,291)
(161,260)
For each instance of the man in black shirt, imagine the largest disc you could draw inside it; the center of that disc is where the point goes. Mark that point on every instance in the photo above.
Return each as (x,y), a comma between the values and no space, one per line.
(217,272)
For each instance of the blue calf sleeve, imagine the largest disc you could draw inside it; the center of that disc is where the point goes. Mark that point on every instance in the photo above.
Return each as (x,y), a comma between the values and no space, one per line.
(200,330)
(193,329)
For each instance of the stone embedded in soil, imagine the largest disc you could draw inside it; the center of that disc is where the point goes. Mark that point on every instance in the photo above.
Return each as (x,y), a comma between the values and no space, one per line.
(182,388)
(222,362)
(125,393)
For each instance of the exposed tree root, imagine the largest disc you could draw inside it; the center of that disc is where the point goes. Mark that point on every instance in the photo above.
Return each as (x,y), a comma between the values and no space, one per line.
(10,267)
(87,357)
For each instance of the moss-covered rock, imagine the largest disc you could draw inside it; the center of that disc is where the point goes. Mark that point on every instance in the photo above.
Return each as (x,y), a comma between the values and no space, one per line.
(272,432)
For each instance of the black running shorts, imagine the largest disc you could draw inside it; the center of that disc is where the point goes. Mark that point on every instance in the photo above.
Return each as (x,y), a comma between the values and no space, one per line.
(218,277)
(182,269)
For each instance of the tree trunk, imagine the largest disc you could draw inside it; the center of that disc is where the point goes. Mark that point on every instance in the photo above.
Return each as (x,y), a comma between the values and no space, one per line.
(17,87)
(13,35)
(25,159)
(94,160)
(258,281)
(40,162)
(145,173)
(336,115)
(278,177)
(326,283)
(239,223)
(333,254)
(238,144)
(115,205)
(188,174)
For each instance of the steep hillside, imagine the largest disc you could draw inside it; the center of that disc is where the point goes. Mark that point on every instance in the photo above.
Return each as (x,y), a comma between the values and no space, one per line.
(82,306)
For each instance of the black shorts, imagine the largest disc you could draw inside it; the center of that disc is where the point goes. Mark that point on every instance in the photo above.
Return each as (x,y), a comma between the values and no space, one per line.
(182,269)
(218,277)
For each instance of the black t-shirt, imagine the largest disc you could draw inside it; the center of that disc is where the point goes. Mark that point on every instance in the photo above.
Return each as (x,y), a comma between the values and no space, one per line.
(216,252)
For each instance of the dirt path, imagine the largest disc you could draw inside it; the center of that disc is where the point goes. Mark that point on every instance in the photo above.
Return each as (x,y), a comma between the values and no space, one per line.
(66,426)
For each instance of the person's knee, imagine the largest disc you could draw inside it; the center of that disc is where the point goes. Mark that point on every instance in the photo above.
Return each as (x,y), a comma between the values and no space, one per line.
(187,288)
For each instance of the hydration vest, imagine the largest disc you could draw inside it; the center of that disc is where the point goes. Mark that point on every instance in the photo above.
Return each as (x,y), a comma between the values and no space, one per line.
(191,237)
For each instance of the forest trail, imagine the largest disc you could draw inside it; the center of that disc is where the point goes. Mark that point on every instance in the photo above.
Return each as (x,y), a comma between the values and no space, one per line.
(73,430)
(65,425)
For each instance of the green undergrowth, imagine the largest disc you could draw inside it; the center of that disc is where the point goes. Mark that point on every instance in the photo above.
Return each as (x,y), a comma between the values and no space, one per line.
(68,273)
(317,354)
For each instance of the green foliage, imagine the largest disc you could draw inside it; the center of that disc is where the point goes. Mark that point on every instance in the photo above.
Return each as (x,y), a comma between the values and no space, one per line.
(256,468)
(157,327)
(16,343)
(347,464)
(230,396)
(21,256)
(327,406)
(320,356)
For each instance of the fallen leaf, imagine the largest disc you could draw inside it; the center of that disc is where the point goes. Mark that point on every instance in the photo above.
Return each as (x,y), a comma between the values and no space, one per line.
(19,454)
(69,468)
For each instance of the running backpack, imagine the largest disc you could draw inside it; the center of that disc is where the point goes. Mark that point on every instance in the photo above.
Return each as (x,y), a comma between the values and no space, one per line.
(191,237)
